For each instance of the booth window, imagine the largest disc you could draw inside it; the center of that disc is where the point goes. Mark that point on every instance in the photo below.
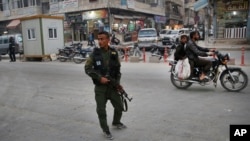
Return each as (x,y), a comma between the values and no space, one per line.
(31,34)
(52,33)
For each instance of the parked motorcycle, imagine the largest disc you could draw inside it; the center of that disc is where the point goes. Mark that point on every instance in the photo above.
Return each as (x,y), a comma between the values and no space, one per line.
(233,79)
(159,51)
(82,53)
(114,40)
(68,52)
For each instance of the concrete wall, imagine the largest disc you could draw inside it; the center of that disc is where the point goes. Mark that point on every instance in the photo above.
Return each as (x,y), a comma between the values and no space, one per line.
(86,5)
(52,45)
(20,12)
(58,8)
(31,47)
(42,44)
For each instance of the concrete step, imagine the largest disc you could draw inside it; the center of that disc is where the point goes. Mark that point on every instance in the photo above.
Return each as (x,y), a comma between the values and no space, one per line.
(231,41)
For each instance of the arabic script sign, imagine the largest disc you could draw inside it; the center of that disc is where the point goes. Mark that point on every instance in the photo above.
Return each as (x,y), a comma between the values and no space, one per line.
(237,5)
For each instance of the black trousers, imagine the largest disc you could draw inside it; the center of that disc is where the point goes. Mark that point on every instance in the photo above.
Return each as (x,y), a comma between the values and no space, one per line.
(202,63)
(12,56)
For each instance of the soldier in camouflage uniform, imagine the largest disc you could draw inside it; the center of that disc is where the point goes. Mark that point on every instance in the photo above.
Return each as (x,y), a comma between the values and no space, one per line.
(103,66)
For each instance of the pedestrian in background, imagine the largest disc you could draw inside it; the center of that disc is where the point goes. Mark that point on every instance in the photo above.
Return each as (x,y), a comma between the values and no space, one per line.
(91,41)
(103,66)
(12,47)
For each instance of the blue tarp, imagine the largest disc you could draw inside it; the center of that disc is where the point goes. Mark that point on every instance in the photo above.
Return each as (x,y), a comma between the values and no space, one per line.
(200,4)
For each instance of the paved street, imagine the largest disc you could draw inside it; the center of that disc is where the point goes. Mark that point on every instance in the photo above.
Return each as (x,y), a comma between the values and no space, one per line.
(53,101)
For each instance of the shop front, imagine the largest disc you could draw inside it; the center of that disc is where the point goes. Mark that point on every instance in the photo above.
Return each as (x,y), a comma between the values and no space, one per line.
(79,25)
(96,21)
(127,27)
(160,22)
(125,24)
(231,18)
(74,27)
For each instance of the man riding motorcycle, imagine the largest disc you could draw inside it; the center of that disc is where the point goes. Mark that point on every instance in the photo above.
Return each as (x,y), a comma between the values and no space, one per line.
(194,54)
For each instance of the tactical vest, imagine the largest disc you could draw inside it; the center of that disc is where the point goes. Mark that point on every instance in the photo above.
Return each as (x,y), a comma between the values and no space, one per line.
(113,69)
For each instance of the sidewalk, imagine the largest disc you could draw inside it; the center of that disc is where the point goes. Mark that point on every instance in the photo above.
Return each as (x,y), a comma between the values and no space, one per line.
(224,46)
(220,46)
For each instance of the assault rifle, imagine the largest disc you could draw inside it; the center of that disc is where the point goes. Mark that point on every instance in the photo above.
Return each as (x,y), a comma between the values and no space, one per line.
(121,92)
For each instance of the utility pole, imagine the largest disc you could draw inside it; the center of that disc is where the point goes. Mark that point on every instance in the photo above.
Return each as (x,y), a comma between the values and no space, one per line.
(109,17)
(248,23)
(214,19)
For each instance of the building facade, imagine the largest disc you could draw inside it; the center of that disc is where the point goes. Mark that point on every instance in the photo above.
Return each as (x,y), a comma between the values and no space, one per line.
(84,16)
(230,18)
(174,12)
(223,19)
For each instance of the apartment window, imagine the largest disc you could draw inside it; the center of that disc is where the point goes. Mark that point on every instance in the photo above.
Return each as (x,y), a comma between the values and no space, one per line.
(52,1)
(5,40)
(25,3)
(32,2)
(175,9)
(1,5)
(19,3)
(38,2)
(31,34)
(52,33)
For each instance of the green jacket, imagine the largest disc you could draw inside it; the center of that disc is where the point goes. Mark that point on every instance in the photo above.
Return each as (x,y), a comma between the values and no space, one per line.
(106,64)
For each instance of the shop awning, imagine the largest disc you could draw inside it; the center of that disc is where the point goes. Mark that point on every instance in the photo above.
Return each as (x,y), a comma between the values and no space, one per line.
(118,17)
(13,24)
(200,4)
(122,17)
(138,17)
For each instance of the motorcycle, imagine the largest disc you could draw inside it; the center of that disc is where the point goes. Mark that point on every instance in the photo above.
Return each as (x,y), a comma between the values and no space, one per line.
(81,54)
(233,79)
(114,40)
(68,52)
(159,51)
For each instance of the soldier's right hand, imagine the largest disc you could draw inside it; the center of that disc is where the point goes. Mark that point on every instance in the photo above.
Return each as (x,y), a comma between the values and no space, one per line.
(119,87)
(104,80)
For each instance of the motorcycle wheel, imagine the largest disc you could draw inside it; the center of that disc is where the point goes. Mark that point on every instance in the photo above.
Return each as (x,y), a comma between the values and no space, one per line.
(239,83)
(178,83)
(78,58)
(62,59)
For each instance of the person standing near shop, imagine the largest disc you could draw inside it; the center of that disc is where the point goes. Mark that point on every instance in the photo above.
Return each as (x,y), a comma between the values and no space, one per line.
(103,66)
(12,47)
(91,41)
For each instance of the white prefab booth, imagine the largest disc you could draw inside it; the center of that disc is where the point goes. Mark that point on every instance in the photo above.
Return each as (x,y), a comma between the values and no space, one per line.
(42,35)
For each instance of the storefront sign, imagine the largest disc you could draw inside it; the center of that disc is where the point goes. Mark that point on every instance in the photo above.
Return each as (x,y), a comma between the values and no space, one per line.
(70,3)
(94,14)
(131,4)
(237,5)
(53,7)
(160,19)
(6,13)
